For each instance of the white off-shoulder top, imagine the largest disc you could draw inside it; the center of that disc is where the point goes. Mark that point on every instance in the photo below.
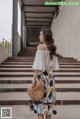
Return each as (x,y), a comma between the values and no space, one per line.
(42,60)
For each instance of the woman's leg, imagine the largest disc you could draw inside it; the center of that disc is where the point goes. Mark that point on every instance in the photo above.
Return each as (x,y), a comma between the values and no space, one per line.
(48,116)
(40,116)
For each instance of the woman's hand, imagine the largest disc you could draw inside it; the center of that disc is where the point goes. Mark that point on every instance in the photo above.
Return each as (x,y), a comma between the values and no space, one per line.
(33,82)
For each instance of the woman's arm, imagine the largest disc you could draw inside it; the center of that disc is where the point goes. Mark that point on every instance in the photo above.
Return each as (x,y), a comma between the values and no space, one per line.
(34,77)
(36,67)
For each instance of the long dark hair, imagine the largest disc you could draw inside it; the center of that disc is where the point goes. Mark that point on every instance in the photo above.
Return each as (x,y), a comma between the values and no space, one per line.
(49,41)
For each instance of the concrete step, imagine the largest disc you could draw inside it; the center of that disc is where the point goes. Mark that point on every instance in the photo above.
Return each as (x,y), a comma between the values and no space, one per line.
(31,73)
(24,68)
(67,78)
(27,58)
(23,59)
(26,85)
(30,78)
(67,59)
(68,96)
(68,66)
(14,58)
(15,66)
(32,57)
(13,73)
(26,102)
(26,63)
(20,80)
(30,70)
(4,90)
(23,87)
(69,63)
(15,78)
(17,63)
(69,69)
(30,60)
(30,66)
(64,85)
(24,96)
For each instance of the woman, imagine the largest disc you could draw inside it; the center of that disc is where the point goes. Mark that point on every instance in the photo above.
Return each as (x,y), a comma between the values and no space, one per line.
(45,62)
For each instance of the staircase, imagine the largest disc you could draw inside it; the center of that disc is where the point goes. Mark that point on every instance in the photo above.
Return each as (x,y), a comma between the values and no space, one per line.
(16,75)
(29,51)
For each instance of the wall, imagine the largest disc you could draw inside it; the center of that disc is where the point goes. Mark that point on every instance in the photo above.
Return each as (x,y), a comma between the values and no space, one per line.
(3,53)
(18,43)
(66,31)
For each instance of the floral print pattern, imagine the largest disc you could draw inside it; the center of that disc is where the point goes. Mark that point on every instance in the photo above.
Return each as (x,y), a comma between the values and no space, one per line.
(48,102)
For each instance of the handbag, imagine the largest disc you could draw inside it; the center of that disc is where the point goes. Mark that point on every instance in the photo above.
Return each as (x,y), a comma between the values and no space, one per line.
(37,92)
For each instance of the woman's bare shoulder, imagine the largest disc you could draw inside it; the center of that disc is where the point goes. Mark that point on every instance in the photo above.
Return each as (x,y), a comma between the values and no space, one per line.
(41,47)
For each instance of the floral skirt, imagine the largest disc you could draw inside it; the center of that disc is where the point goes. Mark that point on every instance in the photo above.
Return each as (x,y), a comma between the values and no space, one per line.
(48,103)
